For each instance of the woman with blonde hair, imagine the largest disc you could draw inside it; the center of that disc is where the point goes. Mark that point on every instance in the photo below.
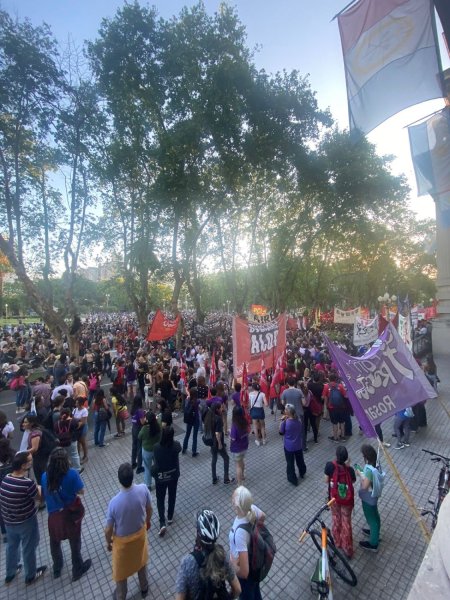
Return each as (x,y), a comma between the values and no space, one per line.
(247,514)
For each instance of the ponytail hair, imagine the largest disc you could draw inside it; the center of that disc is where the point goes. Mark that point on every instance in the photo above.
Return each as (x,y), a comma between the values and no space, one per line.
(214,565)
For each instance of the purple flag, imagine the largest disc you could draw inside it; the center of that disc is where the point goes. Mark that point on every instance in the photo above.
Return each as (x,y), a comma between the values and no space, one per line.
(383,381)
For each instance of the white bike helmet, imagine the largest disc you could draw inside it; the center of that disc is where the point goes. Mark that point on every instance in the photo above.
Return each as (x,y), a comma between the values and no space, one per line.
(208,527)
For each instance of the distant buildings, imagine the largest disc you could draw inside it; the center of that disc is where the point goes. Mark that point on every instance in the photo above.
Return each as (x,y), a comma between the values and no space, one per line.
(102,272)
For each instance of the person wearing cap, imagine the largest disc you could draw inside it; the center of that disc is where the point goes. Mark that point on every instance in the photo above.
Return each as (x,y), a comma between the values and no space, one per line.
(208,557)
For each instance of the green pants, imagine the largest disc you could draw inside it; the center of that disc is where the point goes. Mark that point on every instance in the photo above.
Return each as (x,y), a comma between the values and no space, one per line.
(373,520)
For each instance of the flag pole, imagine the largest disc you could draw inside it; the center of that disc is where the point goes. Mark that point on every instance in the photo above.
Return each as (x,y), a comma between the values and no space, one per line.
(343,10)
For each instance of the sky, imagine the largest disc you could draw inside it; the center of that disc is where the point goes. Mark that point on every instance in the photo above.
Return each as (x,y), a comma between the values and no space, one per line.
(286,34)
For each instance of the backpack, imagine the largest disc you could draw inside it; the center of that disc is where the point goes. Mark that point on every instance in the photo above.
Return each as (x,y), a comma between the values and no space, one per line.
(336,397)
(261,550)
(93,383)
(103,414)
(189,413)
(208,437)
(49,441)
(341,485)
(208,590)
(63,433)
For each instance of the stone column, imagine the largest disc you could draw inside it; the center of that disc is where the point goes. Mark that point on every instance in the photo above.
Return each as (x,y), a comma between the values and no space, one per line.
(441,325)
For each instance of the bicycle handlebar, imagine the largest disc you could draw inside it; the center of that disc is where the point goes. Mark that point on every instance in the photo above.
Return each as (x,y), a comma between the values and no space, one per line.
(440,456)
(315,518)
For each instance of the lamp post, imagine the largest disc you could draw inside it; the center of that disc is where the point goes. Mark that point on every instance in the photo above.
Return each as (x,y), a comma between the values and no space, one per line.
(388,301)
(107,296)
(6,310)
(228,306)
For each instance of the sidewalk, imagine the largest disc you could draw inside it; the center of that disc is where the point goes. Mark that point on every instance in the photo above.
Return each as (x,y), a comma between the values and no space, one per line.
(386,575)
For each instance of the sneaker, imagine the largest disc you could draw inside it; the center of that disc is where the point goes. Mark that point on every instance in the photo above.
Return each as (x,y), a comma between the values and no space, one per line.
(264,441)
(39,573)
(169,521)
(271,412)
(215,481)
(162,531)
(183,451)
(194,454)
(134,465)
(366,531)
(228,481)
(117,435)
(406,445)
(144,593)
(399,447)
(368,546)
(386,444)
(81,471)
(84,569)
(11,577)
(140,470)
(257,442)
(103,445)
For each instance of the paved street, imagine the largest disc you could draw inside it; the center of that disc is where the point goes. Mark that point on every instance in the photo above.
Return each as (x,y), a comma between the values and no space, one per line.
(386,575)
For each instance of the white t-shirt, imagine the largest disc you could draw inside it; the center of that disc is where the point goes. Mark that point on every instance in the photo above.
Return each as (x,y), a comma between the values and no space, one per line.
(255,400)
(7,429)
(80,413)
(240,538)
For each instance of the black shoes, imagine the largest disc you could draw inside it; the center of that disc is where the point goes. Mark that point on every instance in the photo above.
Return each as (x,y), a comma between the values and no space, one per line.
(39,572)
(86,566)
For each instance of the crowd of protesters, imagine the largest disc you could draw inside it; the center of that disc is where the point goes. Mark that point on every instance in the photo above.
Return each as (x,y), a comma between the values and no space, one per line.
(149,386)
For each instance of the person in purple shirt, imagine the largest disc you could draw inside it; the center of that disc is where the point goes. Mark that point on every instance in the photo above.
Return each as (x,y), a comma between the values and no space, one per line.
(236,397)
(292,430)
(239,441)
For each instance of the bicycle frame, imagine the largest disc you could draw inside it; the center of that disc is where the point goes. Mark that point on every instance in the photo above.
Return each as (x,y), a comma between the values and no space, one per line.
(442,486)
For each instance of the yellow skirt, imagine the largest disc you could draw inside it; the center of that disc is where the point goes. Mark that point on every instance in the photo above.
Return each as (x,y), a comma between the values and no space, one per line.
(129,554)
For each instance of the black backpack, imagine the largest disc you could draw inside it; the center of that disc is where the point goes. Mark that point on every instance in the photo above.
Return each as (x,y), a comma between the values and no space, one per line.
(208,590)
(261,550)
(49,441)
(189,413)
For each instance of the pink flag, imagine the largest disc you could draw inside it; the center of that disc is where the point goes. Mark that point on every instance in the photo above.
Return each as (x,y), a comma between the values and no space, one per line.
(263,384)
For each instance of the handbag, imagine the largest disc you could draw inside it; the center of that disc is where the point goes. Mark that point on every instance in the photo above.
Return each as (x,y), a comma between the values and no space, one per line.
(75,511)
(123,413)
(315,406)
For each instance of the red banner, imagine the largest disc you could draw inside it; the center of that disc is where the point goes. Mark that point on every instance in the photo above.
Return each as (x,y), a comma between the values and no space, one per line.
(253,342)
(162,328)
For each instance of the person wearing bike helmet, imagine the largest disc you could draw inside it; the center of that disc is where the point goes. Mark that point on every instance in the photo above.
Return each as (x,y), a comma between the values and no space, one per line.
(207,569)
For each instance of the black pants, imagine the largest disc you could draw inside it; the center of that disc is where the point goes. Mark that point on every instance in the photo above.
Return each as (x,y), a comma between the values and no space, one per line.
(57,555)
(308,417)
(161,487)
(136,447)
(226,461)
(291,459)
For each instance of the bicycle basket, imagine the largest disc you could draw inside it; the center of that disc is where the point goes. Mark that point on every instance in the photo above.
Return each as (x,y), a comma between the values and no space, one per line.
(318,585)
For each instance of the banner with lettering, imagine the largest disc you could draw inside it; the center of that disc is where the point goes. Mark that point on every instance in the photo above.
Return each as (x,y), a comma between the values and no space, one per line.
(259,309)
(253,342)
(346,316)
(404,330)
(162,327)
(383,381)
(365,331)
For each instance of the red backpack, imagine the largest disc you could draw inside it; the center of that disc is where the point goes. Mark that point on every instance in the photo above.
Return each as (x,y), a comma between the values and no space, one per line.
(341,485)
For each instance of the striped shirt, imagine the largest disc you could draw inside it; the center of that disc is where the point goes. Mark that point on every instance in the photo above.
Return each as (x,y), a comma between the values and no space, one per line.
(17,499)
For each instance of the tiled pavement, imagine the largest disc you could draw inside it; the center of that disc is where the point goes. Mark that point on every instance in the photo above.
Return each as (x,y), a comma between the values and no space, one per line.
(386,575)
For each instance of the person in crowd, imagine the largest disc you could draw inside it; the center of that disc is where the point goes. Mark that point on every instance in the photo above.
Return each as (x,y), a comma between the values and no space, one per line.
(236,396)
(6,427)
(149,435)
(340,478)
(80,414)
(93,385)
(166,471)
(164,413)
(239,441)
(6,458)
(222,394)
(131,379)
(370,491)
(402,428)
(127,521)
(42,387)
(67,431)
(292,430)
(120,409)
(137,421)
(62,487)
(257,401)
(213,427)
(207,564)
(293,395)
(18,496)
(192,421)
(239,539)
(334,396)
(102,415)
(39,453)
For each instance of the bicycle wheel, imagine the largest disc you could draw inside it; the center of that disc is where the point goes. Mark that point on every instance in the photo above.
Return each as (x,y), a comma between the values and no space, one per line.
(337,560)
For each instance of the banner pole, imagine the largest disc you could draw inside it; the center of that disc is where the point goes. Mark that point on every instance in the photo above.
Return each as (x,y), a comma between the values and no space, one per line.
(405,491)
(343,10)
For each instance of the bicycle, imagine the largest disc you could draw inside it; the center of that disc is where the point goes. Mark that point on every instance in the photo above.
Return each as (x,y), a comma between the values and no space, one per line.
(443,486)
(331,556)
